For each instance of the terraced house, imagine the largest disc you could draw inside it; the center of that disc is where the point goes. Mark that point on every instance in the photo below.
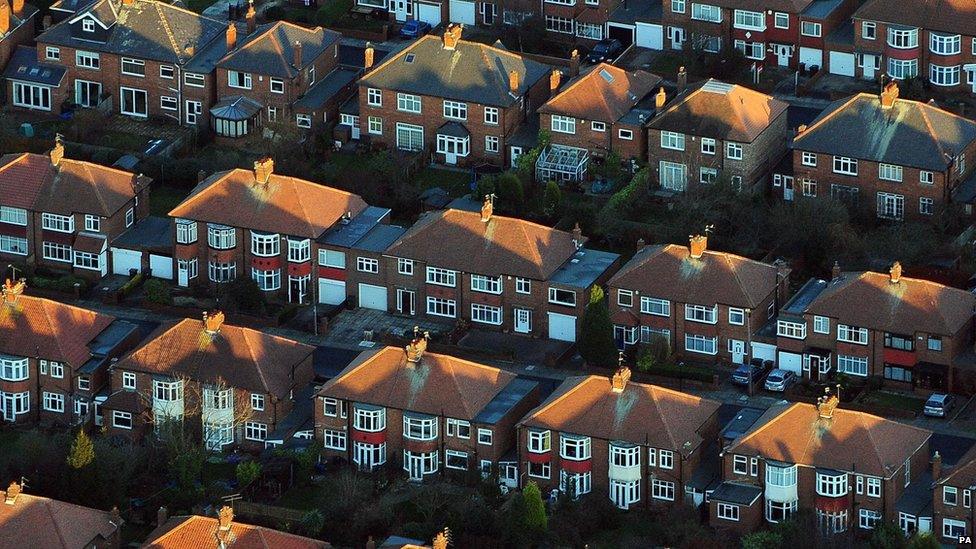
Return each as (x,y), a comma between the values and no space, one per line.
(637,444)
(852,469)
(704,303)
(464,115)
(885,157)
(228,384)
(64,214)
(424,412)
(495,271)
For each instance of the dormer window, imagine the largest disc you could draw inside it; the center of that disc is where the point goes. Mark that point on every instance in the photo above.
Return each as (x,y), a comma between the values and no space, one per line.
(88,25)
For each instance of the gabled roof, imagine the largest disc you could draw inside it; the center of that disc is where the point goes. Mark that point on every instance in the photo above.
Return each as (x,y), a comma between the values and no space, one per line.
(602,92)
(849,441)
(437,385)
(30,181)
(909,133)
(195,531)
(243,358)
(38,327)
(669,272)
(284,205)
(951,16)
(963,474)
(461,241)
(144,29)
(269,50)
(36,521)
(870,300)
(18,19)
(471,72)
(721,111)
(641,414)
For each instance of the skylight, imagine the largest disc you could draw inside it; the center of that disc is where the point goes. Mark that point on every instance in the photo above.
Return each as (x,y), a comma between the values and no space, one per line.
(410,57)
(606,76)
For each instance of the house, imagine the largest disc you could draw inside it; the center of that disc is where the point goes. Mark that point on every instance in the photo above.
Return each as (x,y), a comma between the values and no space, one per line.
(932,40)
(454,414)
(706,304)
(465,115)
(279,72)
(139,58)
(952,498)
(910,332)
(600,112)
(267,226)
(495,271)
(638,22)
(583,22)
(903,160)
(45,522)
(850,468)
(65,214)
(230,384)
(713,132)
(55,357)
(223,531)
(635,443)
(16,27)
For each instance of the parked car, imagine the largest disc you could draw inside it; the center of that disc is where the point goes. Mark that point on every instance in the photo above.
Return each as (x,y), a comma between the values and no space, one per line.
(746,372)
(414,29)
(780,380)
(939,405)
(605,50)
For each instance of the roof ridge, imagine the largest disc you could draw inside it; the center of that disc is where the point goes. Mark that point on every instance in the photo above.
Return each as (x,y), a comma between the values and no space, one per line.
(533,249)
(831,114)
(54,521)
(257,366)
(761,428)
(665,422)
(546,405)
(931,132)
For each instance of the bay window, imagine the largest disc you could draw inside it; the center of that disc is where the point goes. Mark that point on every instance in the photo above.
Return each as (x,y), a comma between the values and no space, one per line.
(945,76)
(574,447)
(945,44)
(265,244)
(831,484)
(369,419)
(902,38)
(750,20)
(221,237)
(13,368)
(539,442)
(417,427)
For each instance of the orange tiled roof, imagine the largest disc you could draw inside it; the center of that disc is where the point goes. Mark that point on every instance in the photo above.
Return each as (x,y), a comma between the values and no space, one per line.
(33,326)
(641,414)
(242,357)
(795,433)
(438,385)
(197,532)
(33,521)
(602,92)
(284,205)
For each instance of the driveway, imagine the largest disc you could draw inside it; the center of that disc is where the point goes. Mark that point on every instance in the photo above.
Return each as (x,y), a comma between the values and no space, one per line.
(350,329)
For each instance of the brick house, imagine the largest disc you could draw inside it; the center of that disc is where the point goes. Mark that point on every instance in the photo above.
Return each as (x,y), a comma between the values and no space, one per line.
(461,116)
(37,521)
(952,498)
(64,213)
(706,304)
(716,131)
(934,41)
(16,27)
(222,531)
(911,332)
(495,271)
(599,112)
(904,159)
(231,385)
(55,357)
(632,442)
(270,227)
(139,58)
(454,414)
(850,468)
(583,21)
(279,72)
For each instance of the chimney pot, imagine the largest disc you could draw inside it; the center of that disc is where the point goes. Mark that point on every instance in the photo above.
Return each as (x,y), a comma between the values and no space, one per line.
(4,17)
(895,272)
(513,81)
(578,236)
(452,35)
(263,169)
(201,176)
(936,466)
(555,77)
(213,322)
(660,99)
(370,544)
(441,539)
(697,244)
(231,36)
(889,94)
(12,492)
(835,271)
(225,517)
(619,380)
(251,17)
(682,79)
(488,208)
(57,153)
(18,7)
(641,243)
(417,346)
(574,63)
(46,22)
(368,56)
(802,128)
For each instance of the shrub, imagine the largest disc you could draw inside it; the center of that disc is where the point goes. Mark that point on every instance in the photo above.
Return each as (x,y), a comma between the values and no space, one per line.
(596,333)
(132,284)
(247,472)
(158,291)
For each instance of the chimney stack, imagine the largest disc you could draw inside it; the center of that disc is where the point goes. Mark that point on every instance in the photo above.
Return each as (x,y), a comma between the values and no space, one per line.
(828,403)
(682,79)
(225,517)
(835,271)
(368,56)
(620,378)
(297,51)
(12,492)
(231,36)
(936,466)
(18,7)
(251,18)
(201,176)
(641,243)
(660,99)
(574,63)
(697,244)
(46,22)
(895,272)
(488,208)
(370,544)
(162,515)
(513,81)
(128,2)
(889,94)
(555,77)
(417,346)
(57,153)
(441,539)
(213,322)
(800,129)
(452,35)
(263,169)
(577,236)
(11,290)
(4,17)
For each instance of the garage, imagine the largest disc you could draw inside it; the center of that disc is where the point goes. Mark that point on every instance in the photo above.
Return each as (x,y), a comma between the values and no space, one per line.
(562,327)
(763,351)
(430,13)
(332,292)
(624,33)
(462,12)
(161,266)
(123,260)
(650,36)
(790,361)
(811,56)
(372,297)
(842,63)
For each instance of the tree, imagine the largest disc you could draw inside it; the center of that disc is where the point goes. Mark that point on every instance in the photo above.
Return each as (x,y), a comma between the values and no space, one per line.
(596,343)
(887,535)
(923,540)
(82,451)
(511,192)
(247,472)
(762,540)
(551,198)
(534,519)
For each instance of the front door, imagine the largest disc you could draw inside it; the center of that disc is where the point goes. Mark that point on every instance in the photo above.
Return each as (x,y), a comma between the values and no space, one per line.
(182,273)
(297,288)
(523,321)
(405,301)
(787,188)
(677,38)
(87,93)
(738,349)
(399,9)
(193,110)
(363,456)
(867,62)
(516,153)
(782,54)
(416,469)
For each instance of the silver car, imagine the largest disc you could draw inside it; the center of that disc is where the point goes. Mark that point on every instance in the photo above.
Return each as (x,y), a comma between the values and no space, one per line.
(939,405)
(779,380)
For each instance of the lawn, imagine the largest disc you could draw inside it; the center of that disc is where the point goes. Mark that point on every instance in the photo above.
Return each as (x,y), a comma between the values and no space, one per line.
(165,199)
(456,183)
(302,497)
(894,400)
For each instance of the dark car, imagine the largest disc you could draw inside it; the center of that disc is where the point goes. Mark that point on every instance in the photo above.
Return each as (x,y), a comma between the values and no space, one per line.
(605,50)
(414,29)
(755,371)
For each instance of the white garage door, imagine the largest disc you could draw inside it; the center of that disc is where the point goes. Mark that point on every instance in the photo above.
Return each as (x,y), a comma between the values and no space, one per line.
(331,292)
(811,56)
(431,13)
(562,327)
(123,260)
(462,12)
(842,63)
(650,36)
(161,266)
(764,351)
(791,361)
(372,297)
